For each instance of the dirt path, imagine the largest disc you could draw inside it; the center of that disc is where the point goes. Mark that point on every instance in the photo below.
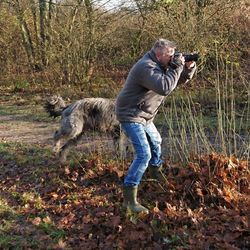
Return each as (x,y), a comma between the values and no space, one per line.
(24,129)
(15,129)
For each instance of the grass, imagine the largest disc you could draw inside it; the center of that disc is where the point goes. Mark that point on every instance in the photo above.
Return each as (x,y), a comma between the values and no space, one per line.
(34,113)
(23,198)
(54,233)
(8,153)
(38,193)
(7,214)
(207,120)
(9,218)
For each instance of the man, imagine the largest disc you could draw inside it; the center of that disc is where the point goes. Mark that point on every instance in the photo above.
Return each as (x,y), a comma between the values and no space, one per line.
(152,78)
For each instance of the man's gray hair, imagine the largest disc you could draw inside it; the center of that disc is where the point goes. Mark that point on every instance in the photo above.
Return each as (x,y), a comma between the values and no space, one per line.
(161,45)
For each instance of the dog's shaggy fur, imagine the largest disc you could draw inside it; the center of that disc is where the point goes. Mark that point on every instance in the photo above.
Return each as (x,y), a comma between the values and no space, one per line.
(95,114)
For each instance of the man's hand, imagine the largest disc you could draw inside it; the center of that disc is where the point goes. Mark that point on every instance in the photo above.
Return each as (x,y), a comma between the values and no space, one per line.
(182,58)
(190,64)
(177,61)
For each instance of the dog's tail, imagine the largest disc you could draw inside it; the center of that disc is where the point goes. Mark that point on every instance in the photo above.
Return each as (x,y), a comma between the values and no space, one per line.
(54,106)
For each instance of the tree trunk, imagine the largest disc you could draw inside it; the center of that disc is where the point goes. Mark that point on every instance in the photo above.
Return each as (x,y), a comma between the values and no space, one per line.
(43,12)
(91,47)
(67,64)
(27,40)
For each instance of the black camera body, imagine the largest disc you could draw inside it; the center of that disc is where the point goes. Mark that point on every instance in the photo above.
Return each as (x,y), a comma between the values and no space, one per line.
(188,58)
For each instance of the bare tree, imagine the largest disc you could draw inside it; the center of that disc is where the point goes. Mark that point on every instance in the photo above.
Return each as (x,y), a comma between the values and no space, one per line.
(26,34)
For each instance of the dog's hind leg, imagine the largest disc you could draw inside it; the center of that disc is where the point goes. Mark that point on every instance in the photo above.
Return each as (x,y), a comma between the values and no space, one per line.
(122,147)
(119,139)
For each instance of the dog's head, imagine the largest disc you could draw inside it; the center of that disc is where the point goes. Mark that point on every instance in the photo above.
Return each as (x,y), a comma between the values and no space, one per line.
(54,105)
(56,101)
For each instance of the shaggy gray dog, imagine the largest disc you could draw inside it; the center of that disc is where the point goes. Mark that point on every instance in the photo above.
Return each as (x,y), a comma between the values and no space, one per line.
(95,114)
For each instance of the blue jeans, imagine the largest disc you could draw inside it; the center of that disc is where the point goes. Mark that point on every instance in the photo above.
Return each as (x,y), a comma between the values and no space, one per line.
(146,141)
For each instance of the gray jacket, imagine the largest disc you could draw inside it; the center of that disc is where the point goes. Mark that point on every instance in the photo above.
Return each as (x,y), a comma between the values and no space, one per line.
(145,88)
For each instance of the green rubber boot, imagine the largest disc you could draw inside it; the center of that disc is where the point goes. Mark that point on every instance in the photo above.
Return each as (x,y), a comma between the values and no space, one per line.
(130,200)
(156,173)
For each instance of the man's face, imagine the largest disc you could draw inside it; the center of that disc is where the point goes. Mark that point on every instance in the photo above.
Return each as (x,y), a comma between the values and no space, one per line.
(165,57)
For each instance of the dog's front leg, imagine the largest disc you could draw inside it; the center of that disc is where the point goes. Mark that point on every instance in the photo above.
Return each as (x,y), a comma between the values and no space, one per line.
(63,155)
(57,142)
(57,146)
(65,148)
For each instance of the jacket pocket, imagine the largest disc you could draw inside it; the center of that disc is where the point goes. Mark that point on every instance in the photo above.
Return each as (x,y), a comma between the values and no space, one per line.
(149,108)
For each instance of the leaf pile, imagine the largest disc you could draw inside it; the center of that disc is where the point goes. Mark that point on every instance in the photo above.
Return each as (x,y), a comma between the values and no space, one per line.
(207,204)
(204,205)
(211,180)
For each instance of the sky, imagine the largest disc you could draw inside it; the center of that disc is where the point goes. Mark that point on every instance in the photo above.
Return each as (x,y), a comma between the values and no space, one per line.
(110,4)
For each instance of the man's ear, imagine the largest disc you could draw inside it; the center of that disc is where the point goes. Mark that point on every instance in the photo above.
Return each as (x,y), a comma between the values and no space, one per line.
(158,54)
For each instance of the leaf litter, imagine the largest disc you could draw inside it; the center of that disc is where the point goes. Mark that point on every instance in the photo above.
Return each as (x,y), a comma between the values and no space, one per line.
(203,205)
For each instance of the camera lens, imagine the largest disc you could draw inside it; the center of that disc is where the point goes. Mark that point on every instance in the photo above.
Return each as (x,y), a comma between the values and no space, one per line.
(191,57)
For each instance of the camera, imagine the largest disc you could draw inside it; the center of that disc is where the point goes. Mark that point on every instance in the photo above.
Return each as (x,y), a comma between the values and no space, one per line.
(176,62)
(188,57)
(191,57)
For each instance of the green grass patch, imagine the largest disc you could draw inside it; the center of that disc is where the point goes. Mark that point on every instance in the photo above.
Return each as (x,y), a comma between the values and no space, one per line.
(29,198)
(7,215)
(34,113)
(53,232)
(10,241)
(23,153)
